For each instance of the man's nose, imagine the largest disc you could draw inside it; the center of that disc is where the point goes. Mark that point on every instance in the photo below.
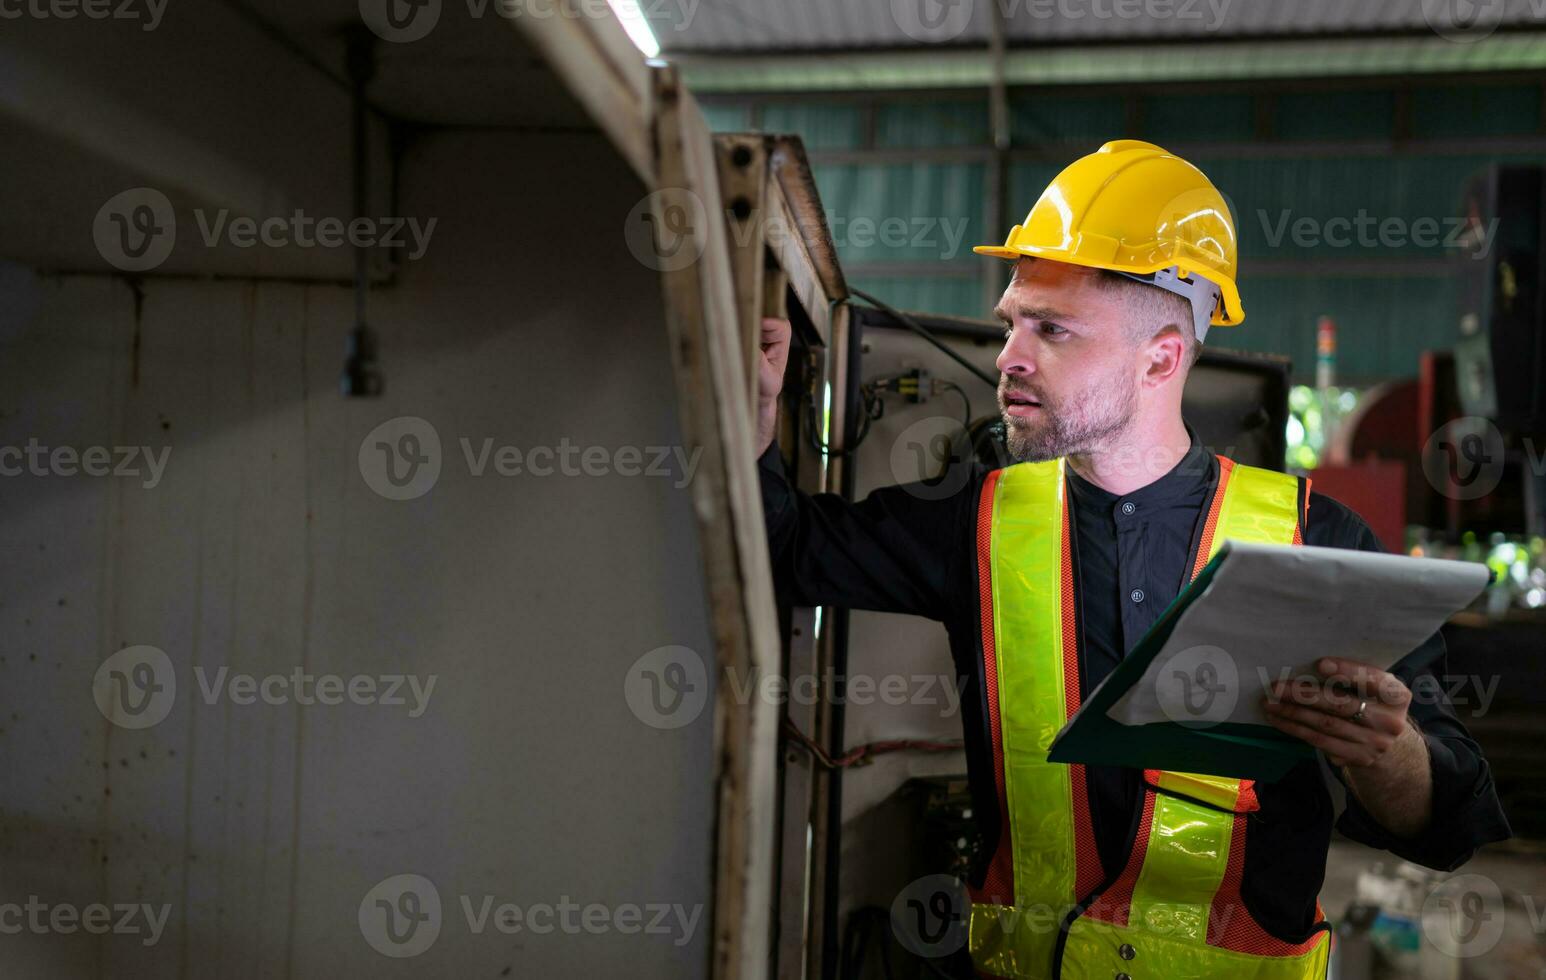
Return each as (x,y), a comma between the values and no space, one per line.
(1014,359)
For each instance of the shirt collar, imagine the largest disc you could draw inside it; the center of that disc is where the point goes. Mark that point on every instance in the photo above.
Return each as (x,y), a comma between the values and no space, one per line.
(1192,474)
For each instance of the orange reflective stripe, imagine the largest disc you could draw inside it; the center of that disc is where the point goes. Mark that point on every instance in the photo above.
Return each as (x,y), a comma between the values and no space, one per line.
(1087,869)
(998,883)
(1205,546)
(1261,506)
(1231,925)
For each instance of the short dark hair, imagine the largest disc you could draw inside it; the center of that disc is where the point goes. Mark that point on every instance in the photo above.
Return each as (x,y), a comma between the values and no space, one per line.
(1155,309)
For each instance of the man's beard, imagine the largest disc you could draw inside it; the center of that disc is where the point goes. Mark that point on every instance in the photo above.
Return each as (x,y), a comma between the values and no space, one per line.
(1082,423)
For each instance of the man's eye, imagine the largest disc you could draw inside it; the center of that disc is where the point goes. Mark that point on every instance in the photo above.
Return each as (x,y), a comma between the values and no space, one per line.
(1052,330)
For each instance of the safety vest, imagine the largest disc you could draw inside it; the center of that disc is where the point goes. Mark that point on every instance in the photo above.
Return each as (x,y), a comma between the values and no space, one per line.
(1047,908)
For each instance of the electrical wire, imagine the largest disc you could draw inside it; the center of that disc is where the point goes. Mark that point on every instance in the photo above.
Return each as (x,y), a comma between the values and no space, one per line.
(864,753)
(966,422)
(914,326)
(874,408)
(864,923)
(870,394)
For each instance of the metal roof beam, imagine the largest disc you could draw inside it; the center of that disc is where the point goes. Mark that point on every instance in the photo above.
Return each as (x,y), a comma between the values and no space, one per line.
(1084,64)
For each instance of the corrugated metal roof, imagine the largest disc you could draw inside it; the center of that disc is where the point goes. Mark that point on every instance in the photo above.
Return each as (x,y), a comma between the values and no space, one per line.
(1090,64)
(801,25)
(1392,288)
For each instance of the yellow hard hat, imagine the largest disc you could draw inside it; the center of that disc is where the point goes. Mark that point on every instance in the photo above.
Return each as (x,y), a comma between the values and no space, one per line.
(1134,208)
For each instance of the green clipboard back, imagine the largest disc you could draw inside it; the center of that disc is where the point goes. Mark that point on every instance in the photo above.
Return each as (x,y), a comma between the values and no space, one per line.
(1239,751)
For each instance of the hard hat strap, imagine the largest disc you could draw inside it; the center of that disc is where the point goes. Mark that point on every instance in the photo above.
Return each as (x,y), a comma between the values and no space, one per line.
(1202,294)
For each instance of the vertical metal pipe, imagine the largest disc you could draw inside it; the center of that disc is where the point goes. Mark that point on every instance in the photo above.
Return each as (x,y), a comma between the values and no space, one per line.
(998,183)
(361,375)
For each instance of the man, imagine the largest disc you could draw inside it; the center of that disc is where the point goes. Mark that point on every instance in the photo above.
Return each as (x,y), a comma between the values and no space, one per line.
(1047,572)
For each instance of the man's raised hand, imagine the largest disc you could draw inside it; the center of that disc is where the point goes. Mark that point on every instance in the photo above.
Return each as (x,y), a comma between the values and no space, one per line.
(770,378)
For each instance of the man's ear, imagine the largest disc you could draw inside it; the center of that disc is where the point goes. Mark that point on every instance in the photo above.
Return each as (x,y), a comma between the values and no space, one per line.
(1166,353)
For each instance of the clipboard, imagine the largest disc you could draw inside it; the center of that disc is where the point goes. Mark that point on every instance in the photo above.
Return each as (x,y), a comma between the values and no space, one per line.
(1188,697)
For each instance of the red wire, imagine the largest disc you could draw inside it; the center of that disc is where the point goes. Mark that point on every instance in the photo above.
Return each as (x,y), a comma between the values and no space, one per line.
(864,753)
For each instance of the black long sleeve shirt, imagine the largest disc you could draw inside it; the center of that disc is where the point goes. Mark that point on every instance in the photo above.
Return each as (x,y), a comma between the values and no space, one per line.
(911,549)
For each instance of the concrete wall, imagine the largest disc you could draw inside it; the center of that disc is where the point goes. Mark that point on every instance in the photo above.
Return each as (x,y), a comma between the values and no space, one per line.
(269,831)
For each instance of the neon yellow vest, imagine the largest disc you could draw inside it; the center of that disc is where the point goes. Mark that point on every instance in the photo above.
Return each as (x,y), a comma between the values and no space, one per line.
(1174,912)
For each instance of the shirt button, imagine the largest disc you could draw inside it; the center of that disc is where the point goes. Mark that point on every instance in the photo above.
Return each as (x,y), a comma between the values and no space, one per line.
(1129,507)
(1137,595)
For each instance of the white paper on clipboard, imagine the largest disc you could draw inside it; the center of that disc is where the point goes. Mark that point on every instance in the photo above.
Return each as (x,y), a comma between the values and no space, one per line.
(1272,611)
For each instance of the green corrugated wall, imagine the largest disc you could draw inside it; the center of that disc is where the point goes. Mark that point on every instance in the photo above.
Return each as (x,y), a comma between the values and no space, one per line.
(1390,299)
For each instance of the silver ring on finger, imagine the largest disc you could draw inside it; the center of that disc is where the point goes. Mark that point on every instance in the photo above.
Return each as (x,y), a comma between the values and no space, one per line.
(1357,716)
